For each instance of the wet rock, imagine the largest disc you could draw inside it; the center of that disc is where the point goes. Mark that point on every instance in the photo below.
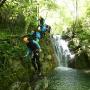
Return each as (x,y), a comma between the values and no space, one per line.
(41,84)
(81,60)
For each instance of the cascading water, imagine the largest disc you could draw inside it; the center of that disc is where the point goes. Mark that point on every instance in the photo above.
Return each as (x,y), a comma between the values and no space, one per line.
(61,50)
(62,77)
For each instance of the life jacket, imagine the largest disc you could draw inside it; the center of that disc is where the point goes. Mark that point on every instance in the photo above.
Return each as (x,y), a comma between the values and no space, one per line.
(34,35)
(32,46)
(43,28)
(37,35)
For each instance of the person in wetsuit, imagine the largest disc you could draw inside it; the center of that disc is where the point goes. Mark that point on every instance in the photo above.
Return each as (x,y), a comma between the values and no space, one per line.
(34,50)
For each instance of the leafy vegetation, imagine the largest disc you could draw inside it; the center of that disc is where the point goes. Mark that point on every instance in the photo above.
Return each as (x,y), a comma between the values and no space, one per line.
(17,18)
(78,35)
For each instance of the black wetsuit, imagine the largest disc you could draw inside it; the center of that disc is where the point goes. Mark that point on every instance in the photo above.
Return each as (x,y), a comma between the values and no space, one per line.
(34,50)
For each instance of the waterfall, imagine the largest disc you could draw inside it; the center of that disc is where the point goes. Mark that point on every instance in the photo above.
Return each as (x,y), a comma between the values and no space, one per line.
(62,51)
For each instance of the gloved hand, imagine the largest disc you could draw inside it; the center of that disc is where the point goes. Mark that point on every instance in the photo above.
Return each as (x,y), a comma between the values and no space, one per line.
(40,50)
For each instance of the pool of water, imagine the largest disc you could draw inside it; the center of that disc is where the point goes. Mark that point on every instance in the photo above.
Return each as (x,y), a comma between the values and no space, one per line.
(63,78)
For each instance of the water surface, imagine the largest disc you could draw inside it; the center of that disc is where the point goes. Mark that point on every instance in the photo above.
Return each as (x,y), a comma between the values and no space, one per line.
(63,78)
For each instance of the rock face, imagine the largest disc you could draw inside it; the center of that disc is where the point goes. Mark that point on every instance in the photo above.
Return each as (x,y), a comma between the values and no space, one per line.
(82,60)
(17,72)
(80,47)
(47,55)
(82,55)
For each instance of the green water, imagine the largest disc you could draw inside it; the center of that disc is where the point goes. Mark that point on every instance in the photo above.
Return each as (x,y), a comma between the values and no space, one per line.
(64,78)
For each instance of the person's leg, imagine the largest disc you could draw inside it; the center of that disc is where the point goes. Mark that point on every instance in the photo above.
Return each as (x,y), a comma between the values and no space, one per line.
(34,63)
(42,31)
(37,56)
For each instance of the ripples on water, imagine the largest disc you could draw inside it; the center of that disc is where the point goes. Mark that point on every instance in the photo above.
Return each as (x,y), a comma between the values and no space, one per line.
(63,78)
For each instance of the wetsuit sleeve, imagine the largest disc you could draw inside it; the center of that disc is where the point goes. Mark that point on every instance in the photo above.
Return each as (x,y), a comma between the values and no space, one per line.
(37,44)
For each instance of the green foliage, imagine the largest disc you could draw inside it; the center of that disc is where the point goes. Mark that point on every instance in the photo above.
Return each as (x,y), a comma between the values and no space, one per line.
(79,41)
(2,2)
(48,4)
(13,66)
(17,16)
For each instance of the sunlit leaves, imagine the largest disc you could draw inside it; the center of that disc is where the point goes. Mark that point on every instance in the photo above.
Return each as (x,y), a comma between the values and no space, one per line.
(19,13)
(48,4)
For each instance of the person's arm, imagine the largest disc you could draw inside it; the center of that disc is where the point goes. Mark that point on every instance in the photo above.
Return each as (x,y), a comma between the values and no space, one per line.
(37,44)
